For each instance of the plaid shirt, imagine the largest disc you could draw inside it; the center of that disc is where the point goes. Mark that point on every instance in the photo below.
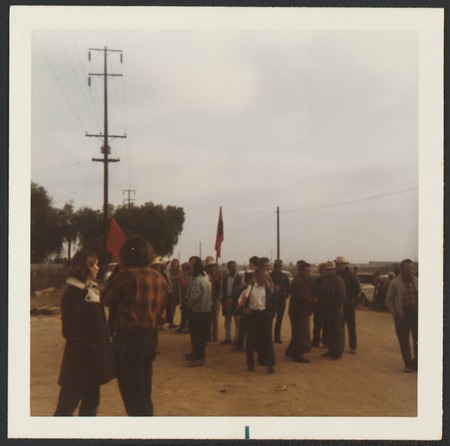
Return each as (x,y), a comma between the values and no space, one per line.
(136,297)
(409,295)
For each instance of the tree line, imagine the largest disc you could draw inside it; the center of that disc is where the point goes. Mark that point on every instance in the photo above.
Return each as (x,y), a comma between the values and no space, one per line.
(52,228)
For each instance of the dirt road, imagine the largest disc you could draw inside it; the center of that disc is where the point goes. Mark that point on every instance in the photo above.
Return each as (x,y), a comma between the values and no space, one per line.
(357,385)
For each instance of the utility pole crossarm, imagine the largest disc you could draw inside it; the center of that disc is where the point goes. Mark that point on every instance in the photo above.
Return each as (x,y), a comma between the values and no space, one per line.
(109,136)
(105,49)
(103,74)
(109,160)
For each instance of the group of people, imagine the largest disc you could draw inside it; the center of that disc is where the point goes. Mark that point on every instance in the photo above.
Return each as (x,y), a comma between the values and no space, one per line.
(256,302)
(144,292)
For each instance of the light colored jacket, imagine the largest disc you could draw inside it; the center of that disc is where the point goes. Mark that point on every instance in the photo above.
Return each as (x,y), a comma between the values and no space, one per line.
(198,296)
(395,296)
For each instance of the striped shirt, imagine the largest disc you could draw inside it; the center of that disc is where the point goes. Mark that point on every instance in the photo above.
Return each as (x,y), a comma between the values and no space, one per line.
(136,297)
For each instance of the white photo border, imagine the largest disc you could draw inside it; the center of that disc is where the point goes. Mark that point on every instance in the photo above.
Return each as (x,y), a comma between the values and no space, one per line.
(429,24)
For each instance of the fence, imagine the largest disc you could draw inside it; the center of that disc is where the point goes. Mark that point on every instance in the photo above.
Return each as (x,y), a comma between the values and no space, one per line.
(47,276)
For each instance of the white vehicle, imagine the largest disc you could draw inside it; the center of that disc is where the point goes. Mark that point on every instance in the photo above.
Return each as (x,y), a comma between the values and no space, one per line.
(289,275)
(367,288)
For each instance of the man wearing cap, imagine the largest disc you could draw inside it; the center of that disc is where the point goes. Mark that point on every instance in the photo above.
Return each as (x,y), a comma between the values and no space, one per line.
(402,302)
(281,289)
(353,290)
(300,310)
(333,294)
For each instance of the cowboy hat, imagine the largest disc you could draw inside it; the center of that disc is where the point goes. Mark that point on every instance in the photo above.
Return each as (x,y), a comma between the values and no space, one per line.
(341,259)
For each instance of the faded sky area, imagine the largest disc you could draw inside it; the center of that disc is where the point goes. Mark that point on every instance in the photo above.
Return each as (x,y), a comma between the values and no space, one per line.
(322,123)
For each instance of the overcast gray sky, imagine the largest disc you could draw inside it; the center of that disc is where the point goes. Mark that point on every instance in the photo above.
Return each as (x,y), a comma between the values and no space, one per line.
(322,123)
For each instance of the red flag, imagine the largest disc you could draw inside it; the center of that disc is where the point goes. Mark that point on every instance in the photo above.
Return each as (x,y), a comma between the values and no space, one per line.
(116,238)
(219,236)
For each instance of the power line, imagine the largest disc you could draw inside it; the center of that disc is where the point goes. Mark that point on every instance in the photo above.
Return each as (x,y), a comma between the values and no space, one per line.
(249,229)
(78,163)
(79,83)
(324,206)
(60,86)
(342,203)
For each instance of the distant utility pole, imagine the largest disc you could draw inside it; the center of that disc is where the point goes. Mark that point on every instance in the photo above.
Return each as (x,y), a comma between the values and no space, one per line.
(129,199)
(105,149)
(278,232)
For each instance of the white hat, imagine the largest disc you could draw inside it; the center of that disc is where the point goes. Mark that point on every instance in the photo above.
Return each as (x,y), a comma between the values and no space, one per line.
(341,259)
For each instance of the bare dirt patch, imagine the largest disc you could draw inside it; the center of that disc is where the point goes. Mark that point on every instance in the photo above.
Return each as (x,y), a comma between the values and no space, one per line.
(357,385)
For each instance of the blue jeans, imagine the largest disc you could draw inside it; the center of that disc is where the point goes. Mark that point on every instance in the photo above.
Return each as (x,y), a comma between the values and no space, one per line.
(134,353)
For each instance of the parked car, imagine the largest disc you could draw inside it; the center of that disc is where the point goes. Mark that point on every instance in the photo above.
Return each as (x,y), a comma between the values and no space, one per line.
(289,275)
(367,287)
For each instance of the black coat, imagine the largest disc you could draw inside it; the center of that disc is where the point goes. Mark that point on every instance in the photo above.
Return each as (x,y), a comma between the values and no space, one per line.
(88,356)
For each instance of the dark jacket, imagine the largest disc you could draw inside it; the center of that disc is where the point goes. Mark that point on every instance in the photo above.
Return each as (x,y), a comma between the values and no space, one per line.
(332,294)
(302,299)
(229,303)
(282,281)
(352,285)
(88,356)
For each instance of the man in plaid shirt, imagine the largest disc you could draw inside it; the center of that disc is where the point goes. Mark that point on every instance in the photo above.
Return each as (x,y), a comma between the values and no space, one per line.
(136,297)
(402,302)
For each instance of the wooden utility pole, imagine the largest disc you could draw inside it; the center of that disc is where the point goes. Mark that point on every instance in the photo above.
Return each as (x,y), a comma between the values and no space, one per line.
(129,199)
(105,149)
(278,232)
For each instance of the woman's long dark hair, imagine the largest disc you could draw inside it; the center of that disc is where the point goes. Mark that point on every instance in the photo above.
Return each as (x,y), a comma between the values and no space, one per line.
(136,252)
(80,263)
(197,266)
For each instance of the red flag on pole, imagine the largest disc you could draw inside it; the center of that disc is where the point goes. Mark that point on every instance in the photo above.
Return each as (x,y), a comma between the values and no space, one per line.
(219,236)
(116,238)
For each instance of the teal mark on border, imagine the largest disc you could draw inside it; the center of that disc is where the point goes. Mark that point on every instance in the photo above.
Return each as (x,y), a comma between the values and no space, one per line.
(247,432)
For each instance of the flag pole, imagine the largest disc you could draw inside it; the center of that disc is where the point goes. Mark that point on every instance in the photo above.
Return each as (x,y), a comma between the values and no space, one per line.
(219,235)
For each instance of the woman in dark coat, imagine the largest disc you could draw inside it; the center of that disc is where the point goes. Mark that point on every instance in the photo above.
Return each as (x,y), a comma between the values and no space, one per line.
(88,359)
